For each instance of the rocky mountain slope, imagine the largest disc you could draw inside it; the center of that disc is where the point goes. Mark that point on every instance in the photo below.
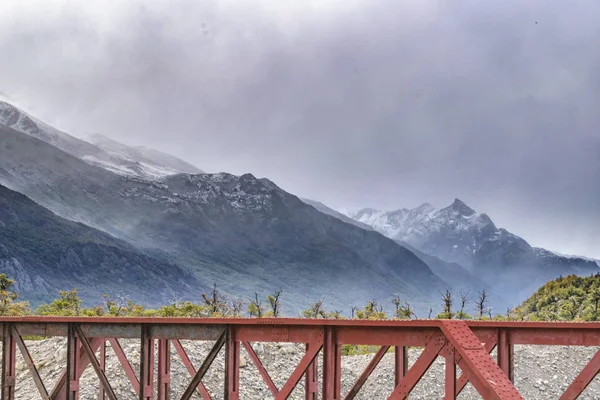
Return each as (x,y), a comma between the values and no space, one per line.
(459,234)
(131,161)
(571,256)
(457,277)
(144,155)
(244,233)
(330,211)
(46,253)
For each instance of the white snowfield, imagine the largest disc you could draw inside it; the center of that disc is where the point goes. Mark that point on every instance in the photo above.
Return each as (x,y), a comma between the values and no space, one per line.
(410,224)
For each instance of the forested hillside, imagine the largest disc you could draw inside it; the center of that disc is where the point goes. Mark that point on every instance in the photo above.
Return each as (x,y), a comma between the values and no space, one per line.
(571,298)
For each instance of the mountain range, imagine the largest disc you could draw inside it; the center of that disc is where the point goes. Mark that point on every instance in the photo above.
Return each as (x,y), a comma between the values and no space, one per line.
(459,234)
(45,253)
(245,234)
(455,276)
(192,229)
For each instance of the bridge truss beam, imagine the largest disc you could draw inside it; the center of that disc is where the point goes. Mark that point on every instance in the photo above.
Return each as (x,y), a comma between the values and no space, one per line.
(463,344)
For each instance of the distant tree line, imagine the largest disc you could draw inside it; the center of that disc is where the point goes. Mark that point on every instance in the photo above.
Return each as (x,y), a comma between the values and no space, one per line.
(216,305)
(564,299)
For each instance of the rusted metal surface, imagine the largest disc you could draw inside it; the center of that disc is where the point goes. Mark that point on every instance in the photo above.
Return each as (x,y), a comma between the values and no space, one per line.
(463,344)
(9,363)
(505,351)
(87,348)
(146,364)
(278,334)
(485,374)
(311,384)
(73,351)
(464,378)
(232,366)
(450,374)
(401,335)
(331,364)
(59,392)
(102,359)
(164,369)
(400,363)
(287,322)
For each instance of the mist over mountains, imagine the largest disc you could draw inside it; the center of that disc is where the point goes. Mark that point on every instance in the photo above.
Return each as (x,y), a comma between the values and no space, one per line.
(45,253)
(99,150)
(136,220)
(459,234)
(245,234)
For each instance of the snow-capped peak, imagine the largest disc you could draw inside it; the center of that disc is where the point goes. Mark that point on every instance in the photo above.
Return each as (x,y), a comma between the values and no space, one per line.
(426,207)
(410,224)
(463,209)
(19,120)
(425,225)
(139,162)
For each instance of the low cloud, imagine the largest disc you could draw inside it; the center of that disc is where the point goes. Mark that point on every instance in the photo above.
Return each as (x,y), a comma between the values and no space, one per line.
(357,103)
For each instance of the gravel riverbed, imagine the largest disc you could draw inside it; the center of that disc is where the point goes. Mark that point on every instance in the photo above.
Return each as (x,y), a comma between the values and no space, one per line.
(541,372)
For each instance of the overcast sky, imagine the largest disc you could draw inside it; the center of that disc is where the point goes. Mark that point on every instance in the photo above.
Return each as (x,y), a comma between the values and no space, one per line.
(379,103)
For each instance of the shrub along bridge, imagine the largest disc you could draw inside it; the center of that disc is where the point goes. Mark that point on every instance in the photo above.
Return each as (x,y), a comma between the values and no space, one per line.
(465,346)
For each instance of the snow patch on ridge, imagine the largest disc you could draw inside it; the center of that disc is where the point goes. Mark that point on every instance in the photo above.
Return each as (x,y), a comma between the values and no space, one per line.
(105,153)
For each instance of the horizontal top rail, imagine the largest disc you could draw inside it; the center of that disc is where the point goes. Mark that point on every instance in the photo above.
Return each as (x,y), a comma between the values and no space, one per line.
(424,323)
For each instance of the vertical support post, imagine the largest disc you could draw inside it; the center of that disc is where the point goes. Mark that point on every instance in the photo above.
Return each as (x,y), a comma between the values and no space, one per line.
(60,388)
(338,371)
(164,369)
(72,381)
(9,362)
(146,364)
(400,363)
(450,366)
(311,387)
(232,365)
(331,366)
(102,361)
(505,354)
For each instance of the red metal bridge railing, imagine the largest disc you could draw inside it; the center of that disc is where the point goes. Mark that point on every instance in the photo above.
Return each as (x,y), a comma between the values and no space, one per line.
(463,344)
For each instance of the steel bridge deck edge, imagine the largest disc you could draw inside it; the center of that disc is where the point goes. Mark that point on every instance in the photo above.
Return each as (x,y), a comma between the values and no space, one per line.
(424,323)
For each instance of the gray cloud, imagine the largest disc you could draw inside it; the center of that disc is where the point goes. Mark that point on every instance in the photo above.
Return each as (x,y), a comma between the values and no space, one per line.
(357,103)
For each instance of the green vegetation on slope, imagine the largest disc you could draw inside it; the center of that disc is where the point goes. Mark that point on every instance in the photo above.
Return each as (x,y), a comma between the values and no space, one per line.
(572,298)
(216,305)
(9,306)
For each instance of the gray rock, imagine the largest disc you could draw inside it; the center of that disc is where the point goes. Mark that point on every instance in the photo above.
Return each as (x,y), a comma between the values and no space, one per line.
(281,360)
(258,348)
